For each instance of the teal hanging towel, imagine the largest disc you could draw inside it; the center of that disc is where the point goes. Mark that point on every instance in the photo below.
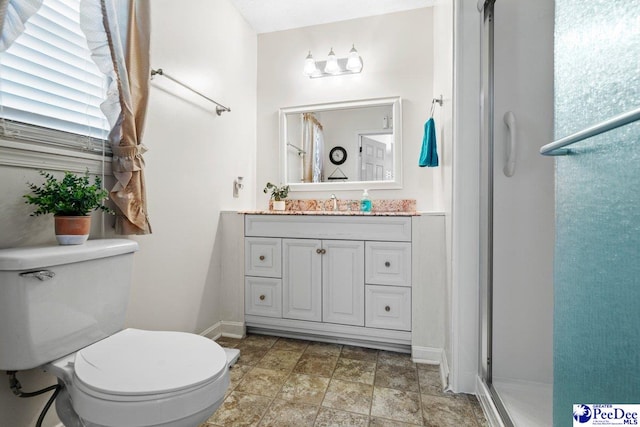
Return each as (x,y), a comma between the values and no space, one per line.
(429,152)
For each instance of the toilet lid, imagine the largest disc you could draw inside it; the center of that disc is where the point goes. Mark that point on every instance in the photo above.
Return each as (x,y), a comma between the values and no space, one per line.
(135,362)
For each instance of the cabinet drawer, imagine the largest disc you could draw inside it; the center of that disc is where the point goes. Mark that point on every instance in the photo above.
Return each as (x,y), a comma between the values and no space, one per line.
(341,227)
(388,307)
(263,296)
(388,263)
(262,257)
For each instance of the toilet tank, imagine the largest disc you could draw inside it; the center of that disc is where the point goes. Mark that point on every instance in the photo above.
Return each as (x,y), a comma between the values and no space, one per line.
(55,300)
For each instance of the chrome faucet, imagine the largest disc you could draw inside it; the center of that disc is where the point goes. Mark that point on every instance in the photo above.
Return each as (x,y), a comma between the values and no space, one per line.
(335,202)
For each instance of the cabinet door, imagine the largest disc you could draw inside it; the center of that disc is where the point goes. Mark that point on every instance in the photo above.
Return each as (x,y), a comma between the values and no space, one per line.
(262,257)
(301,279)
(343,282)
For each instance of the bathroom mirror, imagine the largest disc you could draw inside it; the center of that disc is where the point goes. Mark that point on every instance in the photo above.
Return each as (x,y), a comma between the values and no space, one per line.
(348,145)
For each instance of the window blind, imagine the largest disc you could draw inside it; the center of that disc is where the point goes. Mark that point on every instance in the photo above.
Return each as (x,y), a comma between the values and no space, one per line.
(50,88)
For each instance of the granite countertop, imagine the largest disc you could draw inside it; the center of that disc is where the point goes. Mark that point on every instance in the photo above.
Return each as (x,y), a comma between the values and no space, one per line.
(330,213)
(396,207)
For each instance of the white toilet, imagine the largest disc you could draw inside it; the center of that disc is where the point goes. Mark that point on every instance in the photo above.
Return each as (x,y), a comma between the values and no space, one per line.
(63,308)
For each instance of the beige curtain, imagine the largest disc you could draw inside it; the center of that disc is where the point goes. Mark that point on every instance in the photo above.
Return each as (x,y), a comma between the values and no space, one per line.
(13,15)
(313,145)
(118,33)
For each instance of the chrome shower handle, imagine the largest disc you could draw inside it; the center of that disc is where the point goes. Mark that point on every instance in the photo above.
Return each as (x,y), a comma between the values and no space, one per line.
(510,165)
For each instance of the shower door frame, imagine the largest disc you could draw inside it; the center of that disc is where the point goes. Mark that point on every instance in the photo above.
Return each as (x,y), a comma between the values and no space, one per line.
(486,181)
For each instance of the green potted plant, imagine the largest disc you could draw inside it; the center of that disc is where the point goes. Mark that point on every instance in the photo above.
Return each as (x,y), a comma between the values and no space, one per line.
(70,200)
(278,195)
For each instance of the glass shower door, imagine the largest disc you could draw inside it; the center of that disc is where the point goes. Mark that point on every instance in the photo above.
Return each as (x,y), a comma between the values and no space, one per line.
(597,268)
(516,205)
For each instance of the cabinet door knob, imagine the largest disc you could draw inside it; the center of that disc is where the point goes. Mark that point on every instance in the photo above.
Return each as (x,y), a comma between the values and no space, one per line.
(261,257)
(262,297)
(387,308)
(324,251)
(321,251)
(387,264)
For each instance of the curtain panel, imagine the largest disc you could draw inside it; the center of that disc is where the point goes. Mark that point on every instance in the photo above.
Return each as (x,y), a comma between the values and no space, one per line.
(313,145)
(13,15)
(118,33)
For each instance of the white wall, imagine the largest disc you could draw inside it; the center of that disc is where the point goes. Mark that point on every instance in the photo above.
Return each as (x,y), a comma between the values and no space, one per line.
(463,348)
(193,159)
(443,116)
(397,51)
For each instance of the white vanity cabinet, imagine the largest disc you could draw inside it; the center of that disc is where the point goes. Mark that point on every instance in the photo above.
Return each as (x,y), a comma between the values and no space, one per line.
(341,279)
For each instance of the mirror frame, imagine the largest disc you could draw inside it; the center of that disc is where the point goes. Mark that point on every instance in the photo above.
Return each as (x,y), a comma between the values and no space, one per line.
(396,183)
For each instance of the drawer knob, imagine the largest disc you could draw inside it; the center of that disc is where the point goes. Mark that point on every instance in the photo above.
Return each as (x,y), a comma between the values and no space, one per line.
(387,264)
(262,297)
(387,308)
(261,257)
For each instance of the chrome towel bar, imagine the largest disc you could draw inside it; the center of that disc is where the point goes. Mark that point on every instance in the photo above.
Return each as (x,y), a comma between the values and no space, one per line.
(219,107)
(558,148)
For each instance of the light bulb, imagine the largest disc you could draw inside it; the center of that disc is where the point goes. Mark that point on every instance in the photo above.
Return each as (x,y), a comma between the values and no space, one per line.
(309,66)
(332,66)
(354,62)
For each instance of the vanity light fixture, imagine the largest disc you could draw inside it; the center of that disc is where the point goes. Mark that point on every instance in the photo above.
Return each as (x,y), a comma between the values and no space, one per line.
(354,62)
(310,65)
(333,66)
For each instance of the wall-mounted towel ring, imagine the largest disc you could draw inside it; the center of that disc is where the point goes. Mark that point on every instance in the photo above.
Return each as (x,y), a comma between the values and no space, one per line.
(435,101)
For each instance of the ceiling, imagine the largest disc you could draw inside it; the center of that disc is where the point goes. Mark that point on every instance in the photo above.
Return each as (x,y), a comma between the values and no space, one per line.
(266,16)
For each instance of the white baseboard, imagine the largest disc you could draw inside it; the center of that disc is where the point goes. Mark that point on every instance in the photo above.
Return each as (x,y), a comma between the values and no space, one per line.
(432,356)
(225,329)
(444,371)
(486,402)
(233,329)
(428,355)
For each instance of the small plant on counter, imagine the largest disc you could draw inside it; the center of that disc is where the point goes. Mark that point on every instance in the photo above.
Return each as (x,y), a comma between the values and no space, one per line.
(277,193)
(72,196)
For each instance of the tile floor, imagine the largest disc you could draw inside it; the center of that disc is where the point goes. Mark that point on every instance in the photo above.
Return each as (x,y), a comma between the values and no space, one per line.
(284,382)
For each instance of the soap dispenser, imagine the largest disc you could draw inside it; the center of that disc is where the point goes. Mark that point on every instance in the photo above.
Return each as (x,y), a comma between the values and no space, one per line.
(365,202)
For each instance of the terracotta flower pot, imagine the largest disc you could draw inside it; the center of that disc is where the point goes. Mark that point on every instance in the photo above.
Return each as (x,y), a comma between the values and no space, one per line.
(72,230)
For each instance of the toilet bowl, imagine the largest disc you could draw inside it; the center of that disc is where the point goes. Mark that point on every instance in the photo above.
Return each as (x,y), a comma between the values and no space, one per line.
(142,378)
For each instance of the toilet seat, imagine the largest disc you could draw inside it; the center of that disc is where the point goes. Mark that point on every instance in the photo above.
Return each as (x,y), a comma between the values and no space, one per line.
(137,363)
(121,380)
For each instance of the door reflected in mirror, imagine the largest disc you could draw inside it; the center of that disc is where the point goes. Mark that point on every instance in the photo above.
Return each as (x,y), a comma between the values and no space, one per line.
(342,145)
(375,162)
